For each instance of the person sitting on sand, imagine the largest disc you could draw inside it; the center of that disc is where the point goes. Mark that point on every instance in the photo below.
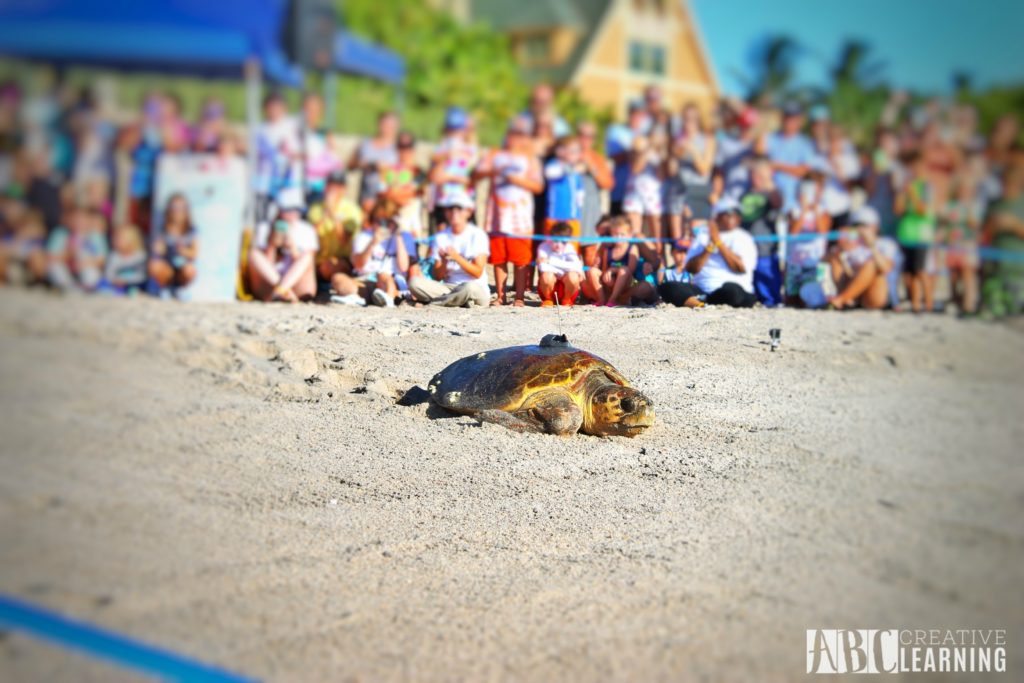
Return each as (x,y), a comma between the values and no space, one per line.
(382,255)
(126,265)
(337,218)
(722,263)
(175,247)
(75,253)
(862,262)
(459,255)
(560,267)
(610,284)
(281,263)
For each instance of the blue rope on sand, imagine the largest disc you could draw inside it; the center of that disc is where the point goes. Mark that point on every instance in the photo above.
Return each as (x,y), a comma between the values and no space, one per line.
(104,644)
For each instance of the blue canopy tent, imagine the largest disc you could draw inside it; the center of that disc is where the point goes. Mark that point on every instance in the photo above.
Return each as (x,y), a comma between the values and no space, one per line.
(226,38)
(195,37)
(355,55)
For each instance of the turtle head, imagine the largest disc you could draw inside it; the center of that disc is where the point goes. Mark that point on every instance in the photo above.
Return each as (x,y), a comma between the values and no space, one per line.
(616,410)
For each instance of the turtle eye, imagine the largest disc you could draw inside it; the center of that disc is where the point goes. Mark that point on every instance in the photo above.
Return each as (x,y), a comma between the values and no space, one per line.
(628,405)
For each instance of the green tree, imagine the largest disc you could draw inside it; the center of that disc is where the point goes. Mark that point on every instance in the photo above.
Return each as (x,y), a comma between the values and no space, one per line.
(447,63)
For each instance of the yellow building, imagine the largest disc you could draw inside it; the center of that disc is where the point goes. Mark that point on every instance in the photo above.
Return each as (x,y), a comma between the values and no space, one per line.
(608,50)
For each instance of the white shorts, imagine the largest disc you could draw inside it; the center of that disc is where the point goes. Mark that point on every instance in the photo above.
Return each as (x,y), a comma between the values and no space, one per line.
(643,198)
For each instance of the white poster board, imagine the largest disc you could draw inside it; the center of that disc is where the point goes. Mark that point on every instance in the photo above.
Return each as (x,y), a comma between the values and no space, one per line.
(215,188)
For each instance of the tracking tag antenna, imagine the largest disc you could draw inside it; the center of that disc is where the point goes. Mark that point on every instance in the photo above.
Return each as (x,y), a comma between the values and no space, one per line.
(558,312)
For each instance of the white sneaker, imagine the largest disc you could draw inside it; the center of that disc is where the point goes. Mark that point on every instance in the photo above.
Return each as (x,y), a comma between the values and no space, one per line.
(348,300)
(381,298)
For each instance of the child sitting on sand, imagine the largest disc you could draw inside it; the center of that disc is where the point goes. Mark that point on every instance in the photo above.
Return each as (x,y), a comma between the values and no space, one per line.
(561,270)
(126,265)
(618,263)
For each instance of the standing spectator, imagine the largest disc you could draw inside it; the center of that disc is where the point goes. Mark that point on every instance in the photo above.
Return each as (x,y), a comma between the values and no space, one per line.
(564,177)
(760,209)
(319,157)
(279,148)
(560,268)
(644,189)
(453,164)
(884,177)
(337,219)
(721,261)
(659,118)
(960,222)
(619,148)
(791,153)
(147,147)
(1003,287)
(459,256)
(281,262)
(916,232)
(597,178)
(735,147)
(175,247)
(688,173)
(542,108)
(403,183)
(374,154)
(1001,142)
(177,133)
(211,128)
(515,177)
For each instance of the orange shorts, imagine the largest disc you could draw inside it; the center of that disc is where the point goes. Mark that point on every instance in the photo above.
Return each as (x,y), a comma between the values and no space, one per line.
(560,292)
(506,249)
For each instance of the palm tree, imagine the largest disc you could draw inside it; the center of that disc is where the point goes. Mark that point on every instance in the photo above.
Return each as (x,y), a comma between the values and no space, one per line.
(773,62)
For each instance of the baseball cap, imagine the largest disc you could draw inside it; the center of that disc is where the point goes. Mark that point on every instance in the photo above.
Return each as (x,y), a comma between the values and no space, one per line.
(680,245)
(792,109)
(459,198)
(725,205)
(290,199)
(455,118)
(865,215)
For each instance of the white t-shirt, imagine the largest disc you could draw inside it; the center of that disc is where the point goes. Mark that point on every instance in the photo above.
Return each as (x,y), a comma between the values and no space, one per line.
(377,255)
(716,271)
(558,258)
(303,236)
(470,243)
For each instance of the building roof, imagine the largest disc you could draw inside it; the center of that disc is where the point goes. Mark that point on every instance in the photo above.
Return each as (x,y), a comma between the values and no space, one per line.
(581,15)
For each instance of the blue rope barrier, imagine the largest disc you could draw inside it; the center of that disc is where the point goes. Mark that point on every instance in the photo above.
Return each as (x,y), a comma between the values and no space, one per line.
(108,645)
(986,253)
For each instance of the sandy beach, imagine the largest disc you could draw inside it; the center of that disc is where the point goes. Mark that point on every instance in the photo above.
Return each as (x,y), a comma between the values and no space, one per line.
(236,482)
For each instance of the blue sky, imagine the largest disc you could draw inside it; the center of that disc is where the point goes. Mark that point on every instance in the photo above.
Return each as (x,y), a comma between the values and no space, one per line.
(922,42)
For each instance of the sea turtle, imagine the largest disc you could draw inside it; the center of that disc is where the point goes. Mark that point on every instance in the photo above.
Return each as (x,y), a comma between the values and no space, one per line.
(551,387)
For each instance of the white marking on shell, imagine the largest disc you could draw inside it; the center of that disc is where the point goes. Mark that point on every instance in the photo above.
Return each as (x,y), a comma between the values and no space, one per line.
(452,397)
(432,388)
(481,355)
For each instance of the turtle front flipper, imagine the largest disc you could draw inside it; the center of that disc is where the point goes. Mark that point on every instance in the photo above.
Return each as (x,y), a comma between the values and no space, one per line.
(547,412)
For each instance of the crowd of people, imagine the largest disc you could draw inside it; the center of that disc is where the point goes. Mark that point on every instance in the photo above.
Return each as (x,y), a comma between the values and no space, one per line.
(736,206)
